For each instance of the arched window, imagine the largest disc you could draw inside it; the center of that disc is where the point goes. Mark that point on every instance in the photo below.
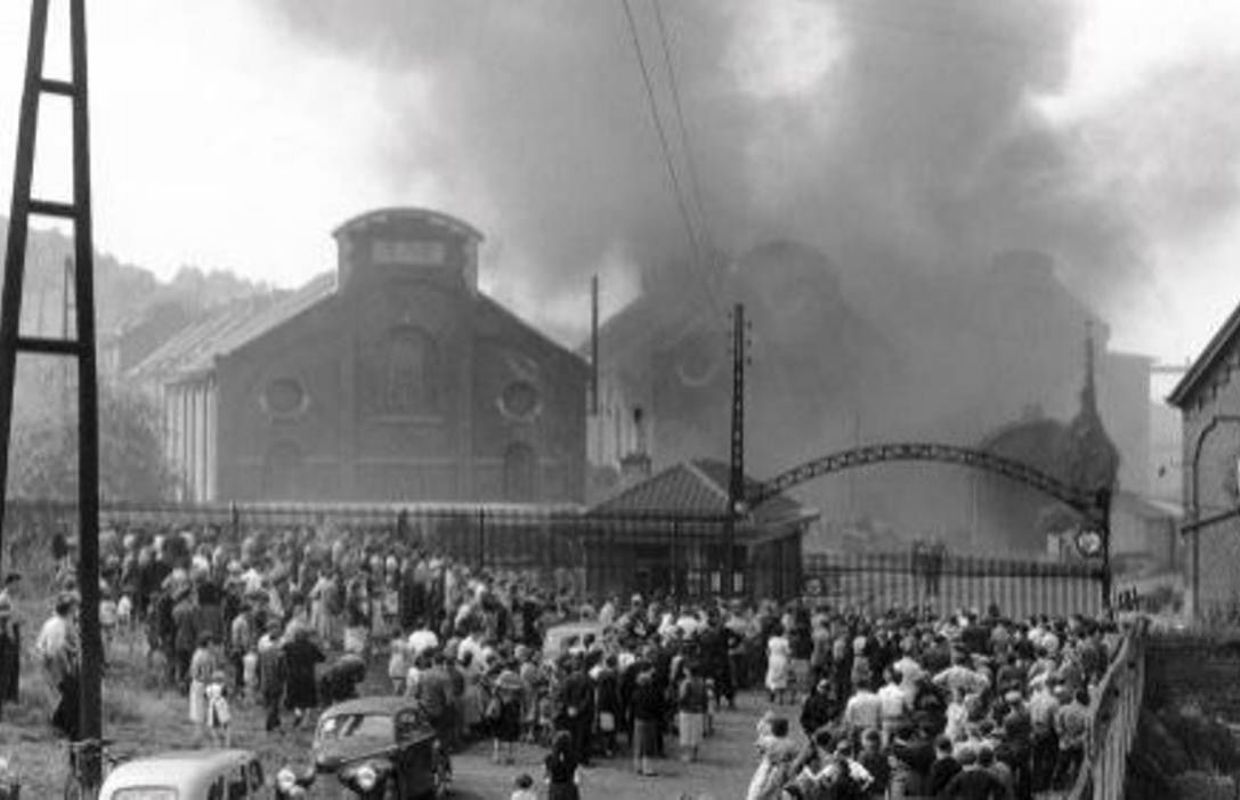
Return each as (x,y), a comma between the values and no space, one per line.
(410,376)
(282,472)
(520,473)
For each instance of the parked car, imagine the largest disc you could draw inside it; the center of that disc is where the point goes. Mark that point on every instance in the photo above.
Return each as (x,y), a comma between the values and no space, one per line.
(559,639)
(378,748)
(188,775)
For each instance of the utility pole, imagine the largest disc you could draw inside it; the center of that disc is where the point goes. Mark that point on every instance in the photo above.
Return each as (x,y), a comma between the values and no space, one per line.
(736,471)
(81,347)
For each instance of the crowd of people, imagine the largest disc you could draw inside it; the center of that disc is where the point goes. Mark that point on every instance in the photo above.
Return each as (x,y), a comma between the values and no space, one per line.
(902,705)
(898,704)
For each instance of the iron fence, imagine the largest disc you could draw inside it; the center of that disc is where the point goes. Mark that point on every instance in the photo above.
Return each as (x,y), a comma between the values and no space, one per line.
(653,553)
(1019,588)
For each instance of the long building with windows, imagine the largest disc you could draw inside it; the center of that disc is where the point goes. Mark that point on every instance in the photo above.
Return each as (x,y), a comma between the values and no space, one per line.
(393,378)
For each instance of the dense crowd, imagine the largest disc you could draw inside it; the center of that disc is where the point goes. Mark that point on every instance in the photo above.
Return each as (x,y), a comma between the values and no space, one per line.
(972,706)
(896,704)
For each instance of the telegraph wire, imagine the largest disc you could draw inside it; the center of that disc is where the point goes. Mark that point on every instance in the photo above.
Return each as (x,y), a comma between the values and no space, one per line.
(695,187)
(681,205)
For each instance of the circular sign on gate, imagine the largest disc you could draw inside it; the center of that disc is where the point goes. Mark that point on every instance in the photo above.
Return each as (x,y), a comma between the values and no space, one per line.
(1089,543)
(813,587)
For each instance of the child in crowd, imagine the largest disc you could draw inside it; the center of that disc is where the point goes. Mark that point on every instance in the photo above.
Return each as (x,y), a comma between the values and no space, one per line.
(506,718)
(107,616)
(219,716)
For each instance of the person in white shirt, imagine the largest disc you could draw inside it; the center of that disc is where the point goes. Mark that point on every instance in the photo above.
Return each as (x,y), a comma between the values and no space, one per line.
(894,706)
(863,711)
(960,677)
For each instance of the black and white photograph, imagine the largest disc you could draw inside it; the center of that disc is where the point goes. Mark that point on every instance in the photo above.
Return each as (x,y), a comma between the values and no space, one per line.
(620,399)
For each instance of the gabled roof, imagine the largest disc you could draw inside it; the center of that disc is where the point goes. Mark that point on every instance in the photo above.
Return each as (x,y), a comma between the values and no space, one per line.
(510,316)
(1222,343)
(194,351)
(696,489)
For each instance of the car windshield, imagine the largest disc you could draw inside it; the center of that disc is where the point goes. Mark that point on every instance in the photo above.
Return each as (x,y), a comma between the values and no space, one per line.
(344,726)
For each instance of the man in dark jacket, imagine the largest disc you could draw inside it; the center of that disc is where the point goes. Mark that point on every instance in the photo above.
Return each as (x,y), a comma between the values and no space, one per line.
(820,708)
(972,782)
(577,709)
(944,768)
(184,637)
(434,692)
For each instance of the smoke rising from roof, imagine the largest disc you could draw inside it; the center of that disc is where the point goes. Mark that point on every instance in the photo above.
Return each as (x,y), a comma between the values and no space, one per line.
(893,135)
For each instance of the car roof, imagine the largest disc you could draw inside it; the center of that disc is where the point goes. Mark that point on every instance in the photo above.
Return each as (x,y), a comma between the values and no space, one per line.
(176,767)
(581,626)
(372,705)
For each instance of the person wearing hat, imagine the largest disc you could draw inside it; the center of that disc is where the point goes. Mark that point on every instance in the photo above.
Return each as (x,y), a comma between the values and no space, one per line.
(57,648)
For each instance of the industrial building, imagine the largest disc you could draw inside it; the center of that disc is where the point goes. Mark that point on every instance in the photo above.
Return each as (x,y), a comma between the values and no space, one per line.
(393,378)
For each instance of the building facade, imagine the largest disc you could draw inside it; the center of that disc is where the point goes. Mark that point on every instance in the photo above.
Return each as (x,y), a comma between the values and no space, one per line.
(1208,398)
(393,379)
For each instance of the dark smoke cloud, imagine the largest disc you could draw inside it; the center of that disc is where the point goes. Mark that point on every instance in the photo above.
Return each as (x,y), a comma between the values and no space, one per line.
(919,148)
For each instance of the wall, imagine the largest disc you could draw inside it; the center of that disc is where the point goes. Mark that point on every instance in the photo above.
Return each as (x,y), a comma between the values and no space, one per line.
(404,385)
(1211,452)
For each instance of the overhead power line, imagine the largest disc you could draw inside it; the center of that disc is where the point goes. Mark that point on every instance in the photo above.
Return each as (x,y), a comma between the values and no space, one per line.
(695,245)
(695,187)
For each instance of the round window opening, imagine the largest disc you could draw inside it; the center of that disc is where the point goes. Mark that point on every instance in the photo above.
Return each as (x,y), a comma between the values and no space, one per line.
(285,396)
(519,400)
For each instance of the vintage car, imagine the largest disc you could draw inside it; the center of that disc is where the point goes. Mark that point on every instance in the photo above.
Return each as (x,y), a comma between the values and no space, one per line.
(188,775)
(377,748)
(559,639)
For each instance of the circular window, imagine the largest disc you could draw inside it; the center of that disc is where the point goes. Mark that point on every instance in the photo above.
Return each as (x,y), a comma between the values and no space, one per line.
(519,400)
(697,364)
(284,396)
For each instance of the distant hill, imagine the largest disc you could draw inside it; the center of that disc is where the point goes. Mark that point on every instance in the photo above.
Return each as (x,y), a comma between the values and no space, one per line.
(135,310)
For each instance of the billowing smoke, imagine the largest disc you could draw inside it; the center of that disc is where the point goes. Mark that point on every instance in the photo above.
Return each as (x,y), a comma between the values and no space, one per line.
(886,132)
(900,139)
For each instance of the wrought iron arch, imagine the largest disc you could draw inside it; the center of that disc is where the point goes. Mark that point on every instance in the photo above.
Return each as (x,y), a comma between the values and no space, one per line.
(1093,504)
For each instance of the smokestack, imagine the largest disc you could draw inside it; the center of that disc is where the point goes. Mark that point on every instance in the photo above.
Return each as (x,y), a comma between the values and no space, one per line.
(594,345)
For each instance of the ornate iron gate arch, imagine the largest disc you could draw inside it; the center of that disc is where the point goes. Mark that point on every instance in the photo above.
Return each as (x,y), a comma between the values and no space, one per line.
(1084,501)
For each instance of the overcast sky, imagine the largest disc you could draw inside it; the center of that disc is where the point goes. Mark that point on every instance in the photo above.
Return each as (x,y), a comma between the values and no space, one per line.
(228,137)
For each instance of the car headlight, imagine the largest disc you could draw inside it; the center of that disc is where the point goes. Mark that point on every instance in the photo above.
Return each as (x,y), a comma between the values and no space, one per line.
(366,777)
(286,779)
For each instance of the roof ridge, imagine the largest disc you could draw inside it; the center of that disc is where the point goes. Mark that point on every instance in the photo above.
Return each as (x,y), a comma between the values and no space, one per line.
(632,490)
(701,474)
(1201,366)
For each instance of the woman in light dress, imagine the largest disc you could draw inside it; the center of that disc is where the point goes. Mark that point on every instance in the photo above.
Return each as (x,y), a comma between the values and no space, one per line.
(778,665)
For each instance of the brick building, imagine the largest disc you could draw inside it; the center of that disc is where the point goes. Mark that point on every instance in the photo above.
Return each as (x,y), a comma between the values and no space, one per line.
(1208,398)
(393,378)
